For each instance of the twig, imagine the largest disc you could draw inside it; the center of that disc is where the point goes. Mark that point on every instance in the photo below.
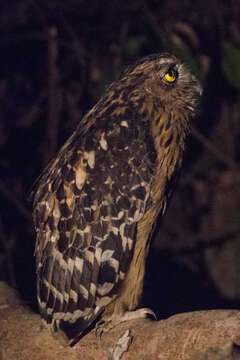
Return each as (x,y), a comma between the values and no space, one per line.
(75,45)
(157,29)
(40,13)
(54,98)
(8,246)
(208,144)
(32,112)
(201,243)
(118,48)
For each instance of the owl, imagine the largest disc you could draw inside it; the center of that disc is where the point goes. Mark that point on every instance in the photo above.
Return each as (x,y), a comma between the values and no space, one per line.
(96,204)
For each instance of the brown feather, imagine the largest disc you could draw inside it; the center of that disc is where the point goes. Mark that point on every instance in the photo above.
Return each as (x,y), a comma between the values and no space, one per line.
(96,204)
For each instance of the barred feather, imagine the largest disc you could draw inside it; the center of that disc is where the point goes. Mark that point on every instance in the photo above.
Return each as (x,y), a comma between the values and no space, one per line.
(97,202)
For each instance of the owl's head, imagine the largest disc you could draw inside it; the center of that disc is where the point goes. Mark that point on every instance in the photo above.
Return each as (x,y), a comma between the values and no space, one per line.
(165,77)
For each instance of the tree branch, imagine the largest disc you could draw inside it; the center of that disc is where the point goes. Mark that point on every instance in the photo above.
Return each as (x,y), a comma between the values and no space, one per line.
(202,335)
(209,145)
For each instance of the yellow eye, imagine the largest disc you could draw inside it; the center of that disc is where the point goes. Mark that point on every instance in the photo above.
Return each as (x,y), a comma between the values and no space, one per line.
(170,76)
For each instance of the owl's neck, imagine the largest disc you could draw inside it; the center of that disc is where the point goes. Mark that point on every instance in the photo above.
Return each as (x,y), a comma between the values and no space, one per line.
(169,128)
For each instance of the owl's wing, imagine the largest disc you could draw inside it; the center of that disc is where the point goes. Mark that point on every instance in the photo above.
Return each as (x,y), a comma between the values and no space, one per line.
(86,209)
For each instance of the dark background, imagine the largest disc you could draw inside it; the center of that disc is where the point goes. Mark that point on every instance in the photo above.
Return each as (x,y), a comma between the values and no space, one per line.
(56,58)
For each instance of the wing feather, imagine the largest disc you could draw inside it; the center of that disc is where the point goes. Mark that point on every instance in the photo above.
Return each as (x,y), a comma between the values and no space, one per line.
(87,206)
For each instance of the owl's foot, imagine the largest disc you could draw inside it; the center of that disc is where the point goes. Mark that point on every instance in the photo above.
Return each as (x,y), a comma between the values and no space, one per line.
(108,323)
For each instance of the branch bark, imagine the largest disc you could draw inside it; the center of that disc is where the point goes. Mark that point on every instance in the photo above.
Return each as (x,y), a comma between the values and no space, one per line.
(202,335)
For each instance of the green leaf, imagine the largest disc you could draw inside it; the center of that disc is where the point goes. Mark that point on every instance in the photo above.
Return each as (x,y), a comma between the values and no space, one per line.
(134,45)
(231,64)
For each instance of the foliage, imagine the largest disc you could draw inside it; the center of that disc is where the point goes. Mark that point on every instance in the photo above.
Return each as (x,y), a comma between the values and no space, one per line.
(230,63)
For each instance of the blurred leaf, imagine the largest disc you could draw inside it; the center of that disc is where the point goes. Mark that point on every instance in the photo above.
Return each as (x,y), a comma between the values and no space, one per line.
(134,45)
(230,64)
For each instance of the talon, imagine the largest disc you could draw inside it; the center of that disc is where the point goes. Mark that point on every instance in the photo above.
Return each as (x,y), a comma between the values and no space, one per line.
(151,313)
(104,326)
(98,333)
(99,328)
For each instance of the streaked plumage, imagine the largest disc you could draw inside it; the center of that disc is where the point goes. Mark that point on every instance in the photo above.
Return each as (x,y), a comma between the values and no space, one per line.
(97,202)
